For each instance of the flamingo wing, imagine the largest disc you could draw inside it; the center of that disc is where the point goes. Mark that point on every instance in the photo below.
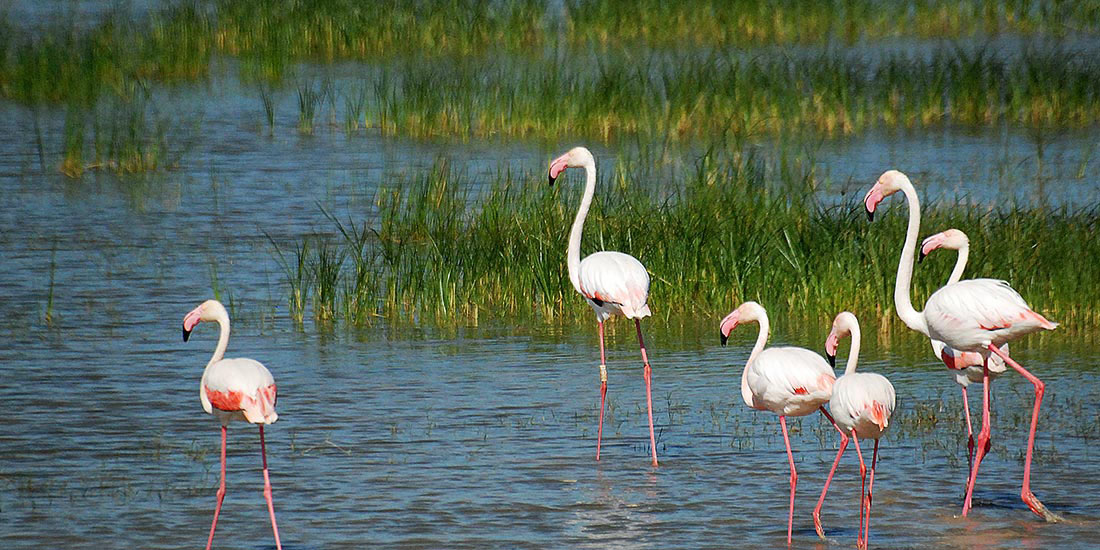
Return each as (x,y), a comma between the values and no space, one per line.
(864,401)
(243,385)
(617,279)
(989,310)
(790,380)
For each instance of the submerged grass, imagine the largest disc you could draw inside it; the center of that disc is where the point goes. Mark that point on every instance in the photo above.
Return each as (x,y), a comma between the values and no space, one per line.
(731,230)
(688,96)
(443,74)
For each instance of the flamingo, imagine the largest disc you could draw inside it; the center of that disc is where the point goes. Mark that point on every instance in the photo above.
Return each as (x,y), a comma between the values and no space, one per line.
(234,389)
(976,315)
(862,403)
(612,283)
(966,367)
(787,381)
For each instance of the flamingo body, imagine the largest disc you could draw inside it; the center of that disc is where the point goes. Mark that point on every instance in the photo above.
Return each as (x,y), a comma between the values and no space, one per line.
(974,314)
(234,389)
(863,402)
(965,366)
(861,405)
(614,283)
(239,389)
(978,316)
(611,282)
(789,381)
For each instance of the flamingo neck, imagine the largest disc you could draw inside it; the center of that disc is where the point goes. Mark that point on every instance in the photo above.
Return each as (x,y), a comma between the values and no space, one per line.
(902,303)
(761,339)
(223,340)
(960,265)
(573,256)
(853,352)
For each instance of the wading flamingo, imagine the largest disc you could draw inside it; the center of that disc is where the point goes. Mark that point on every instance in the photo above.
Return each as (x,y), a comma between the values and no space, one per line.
(612,283)
(862,403)
(976,315)
(787,381)
(965,366)
(234,389)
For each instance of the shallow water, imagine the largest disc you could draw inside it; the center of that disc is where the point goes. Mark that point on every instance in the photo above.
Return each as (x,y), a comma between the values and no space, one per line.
(412,437)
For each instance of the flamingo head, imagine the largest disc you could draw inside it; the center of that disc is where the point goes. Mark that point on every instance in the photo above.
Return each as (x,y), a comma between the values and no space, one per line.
(890,182)
(575,158)
(842,327)
(748,311)
(210,310)
(952,239)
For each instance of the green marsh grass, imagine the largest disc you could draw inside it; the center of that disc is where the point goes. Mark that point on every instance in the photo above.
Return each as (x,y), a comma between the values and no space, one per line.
(731,230)
(118,136)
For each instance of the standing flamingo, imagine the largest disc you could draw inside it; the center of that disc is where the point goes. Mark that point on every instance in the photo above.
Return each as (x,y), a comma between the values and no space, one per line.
(862,403)
(612,283)
(966,366)
(787,381)
(977,315)
(234,389)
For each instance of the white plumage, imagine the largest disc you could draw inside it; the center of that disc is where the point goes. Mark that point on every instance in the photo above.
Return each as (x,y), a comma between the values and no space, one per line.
(234,389)
(862,404)
(247,378)
(788,381)
(965,366)
(612,283)
(978,316)
(971,315)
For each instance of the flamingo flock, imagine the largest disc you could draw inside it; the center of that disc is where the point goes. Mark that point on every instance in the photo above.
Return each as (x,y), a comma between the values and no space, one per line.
(968,322)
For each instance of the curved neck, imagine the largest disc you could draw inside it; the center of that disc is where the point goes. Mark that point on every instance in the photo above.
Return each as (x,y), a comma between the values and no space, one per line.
(902,303)
(853,352)
(960,265)
(761,339)
(573,256)
(223,340)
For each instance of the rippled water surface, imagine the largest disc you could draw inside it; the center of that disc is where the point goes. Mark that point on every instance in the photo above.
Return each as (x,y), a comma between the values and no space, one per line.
(411,437)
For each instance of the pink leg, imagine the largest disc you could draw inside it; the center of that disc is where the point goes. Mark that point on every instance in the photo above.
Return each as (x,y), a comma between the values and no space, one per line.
(870,497)
(1026,493)
(983,440)
(969,436)
(603,390)
(862,488)
(221,496)
(267,490)
(648,398)
(794,478)
(821,500)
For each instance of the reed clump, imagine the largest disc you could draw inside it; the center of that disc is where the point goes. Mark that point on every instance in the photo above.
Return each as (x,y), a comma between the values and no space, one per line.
(732,229)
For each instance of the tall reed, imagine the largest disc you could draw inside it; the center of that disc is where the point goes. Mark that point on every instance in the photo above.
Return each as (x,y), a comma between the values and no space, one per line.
(732,229)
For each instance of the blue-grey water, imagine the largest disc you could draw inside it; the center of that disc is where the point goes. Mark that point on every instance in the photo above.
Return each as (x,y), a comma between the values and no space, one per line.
(479,437)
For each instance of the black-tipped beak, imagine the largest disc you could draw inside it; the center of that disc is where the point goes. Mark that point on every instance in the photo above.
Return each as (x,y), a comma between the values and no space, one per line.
(920,256)
(832,360)
(724,337)
(870,216)
(550,178)
(186,334)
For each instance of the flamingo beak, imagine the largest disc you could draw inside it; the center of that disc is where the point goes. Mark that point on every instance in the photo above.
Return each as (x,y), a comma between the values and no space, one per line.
(557,167)
(190,320)
(831,344)
(727,325)
(871,200)
(921,255)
